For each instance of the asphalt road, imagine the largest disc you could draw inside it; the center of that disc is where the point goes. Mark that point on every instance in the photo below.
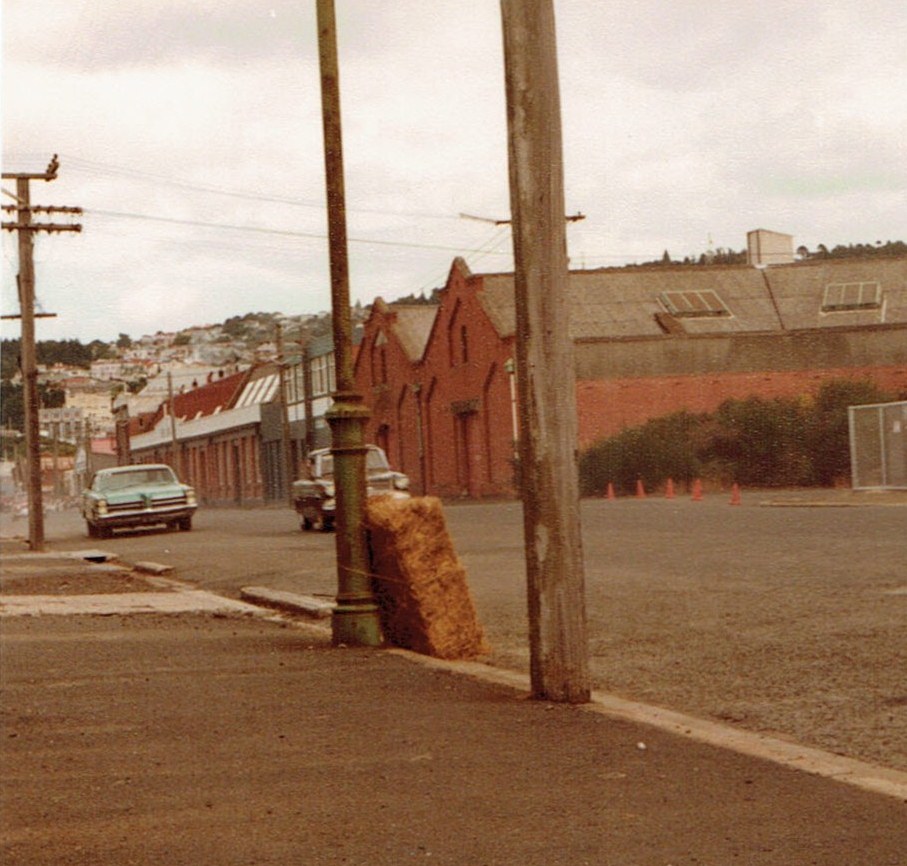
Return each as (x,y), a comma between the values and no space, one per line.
(783,620)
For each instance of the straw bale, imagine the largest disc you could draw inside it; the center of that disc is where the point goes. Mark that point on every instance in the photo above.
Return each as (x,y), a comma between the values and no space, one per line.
(420,582)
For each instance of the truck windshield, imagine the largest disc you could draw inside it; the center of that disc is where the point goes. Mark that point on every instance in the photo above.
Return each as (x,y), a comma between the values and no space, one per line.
(375,461)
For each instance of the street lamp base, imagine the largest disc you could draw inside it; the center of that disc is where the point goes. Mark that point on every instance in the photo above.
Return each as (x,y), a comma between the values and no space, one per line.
(356,625)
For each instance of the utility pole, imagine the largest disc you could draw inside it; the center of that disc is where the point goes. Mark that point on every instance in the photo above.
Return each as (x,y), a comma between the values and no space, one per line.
(307,401)
(559,667)
(58,487)
(355,620)
(288,460)
(86,447)
(121,421)
(26,228)
(173,441)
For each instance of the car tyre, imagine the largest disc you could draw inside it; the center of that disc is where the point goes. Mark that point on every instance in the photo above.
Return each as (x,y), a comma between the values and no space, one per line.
(91,529)
(184,524)
(306,524)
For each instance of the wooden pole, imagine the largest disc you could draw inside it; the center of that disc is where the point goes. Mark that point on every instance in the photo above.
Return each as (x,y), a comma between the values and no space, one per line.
(58,486)
(559,666)
(289,462)
(30,367)
(307,400)
(173,440)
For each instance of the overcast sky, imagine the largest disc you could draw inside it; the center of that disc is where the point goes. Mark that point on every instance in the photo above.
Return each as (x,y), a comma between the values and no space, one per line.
(685,123)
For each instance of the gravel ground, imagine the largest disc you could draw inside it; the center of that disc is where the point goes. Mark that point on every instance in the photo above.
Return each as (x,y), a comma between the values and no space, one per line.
(788,621)
(785,620)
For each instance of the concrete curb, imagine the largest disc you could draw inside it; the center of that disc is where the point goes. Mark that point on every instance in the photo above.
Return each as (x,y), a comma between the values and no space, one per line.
(860,774)
(288,601)
(152,568)
(62,556)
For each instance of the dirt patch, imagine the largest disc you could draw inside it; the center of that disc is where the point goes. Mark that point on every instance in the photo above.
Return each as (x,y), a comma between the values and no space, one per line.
(77,581)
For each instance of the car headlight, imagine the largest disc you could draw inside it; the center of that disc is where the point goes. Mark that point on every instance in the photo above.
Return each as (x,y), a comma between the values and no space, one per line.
(101,507)
(401,482)
(190,497)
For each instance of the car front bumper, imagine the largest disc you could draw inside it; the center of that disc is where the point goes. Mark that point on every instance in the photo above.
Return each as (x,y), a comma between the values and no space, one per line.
(142,516)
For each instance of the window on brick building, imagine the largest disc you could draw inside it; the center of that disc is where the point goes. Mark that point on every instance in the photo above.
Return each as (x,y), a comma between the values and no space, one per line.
(845,297)
(456,334)
(379,359)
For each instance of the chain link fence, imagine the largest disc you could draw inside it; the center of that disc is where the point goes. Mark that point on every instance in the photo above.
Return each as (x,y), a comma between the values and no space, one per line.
(878,446)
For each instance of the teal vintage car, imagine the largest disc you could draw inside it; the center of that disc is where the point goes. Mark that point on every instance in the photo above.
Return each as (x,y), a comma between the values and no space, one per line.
(140,495)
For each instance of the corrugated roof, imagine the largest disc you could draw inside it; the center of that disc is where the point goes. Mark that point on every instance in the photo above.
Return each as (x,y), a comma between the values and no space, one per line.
(799,290)
(624,302)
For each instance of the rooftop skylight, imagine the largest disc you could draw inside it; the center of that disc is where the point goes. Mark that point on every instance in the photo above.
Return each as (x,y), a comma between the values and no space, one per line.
(842,297)
(693,304)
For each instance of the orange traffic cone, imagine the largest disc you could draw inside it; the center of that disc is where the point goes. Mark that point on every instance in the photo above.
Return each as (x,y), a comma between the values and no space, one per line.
(669,489)
(735,494)
(640,490)
(697,491)
(610,493)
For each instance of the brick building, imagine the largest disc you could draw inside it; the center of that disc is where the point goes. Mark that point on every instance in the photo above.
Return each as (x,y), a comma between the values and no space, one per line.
(437,382)
(648,341)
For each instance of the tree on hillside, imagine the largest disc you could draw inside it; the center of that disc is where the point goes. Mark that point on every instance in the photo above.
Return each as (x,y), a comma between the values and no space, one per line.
(860,251)
(12,406)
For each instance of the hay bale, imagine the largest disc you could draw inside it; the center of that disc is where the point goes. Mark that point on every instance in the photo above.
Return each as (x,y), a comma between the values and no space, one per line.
(420,582)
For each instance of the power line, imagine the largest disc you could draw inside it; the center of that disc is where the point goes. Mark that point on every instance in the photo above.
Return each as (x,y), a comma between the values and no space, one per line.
(88,166)
(268,231)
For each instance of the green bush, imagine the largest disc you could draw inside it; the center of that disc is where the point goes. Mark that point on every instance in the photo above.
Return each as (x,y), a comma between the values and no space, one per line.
(761,442)
(754,441)
(660,449)
(828,433)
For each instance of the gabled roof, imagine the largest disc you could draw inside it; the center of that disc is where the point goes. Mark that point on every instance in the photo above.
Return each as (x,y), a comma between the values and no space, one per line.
(411,324)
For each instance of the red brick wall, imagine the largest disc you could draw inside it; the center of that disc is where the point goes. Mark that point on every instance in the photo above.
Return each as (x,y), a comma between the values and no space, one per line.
(386,378)
(605,407)
(445,420)
(467,411)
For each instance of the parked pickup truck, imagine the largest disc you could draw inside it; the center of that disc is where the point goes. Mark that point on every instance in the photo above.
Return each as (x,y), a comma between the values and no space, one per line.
(314,499)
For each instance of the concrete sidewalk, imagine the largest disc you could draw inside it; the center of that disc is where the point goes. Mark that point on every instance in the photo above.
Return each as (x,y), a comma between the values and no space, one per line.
(227,735)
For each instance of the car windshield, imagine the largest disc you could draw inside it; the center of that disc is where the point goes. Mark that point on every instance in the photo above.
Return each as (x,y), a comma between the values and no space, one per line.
(122,480)
(374,462)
